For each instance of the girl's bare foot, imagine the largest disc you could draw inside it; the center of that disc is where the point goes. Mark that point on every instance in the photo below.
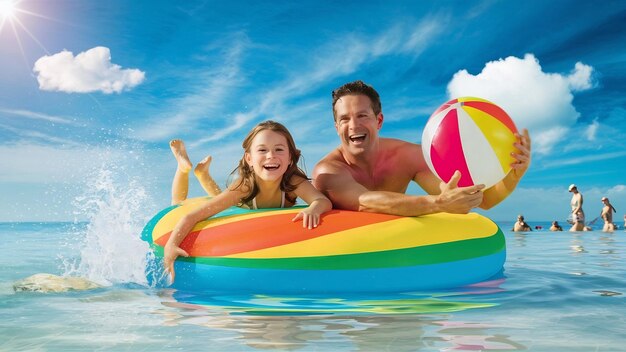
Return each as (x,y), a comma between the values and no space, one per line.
(203,166)
(180,153)
(206,181)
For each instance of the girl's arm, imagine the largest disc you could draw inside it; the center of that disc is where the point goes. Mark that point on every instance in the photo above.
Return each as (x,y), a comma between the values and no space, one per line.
(171,251)
(318,204)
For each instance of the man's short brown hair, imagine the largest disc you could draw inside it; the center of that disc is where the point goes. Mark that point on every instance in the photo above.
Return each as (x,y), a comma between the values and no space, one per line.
(356,88)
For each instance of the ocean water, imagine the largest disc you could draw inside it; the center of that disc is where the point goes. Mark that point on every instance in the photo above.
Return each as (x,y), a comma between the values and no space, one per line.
(560,292)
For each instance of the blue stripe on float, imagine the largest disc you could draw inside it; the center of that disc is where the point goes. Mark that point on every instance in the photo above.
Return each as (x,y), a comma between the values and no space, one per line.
(205,278)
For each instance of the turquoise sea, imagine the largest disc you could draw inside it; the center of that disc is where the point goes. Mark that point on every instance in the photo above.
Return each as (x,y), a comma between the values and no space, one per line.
(561,292)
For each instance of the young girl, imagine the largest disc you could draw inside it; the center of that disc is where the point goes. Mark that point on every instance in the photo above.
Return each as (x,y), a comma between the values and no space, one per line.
(268,178)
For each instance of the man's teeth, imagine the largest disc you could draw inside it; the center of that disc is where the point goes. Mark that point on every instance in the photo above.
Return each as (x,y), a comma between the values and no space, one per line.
(355,137)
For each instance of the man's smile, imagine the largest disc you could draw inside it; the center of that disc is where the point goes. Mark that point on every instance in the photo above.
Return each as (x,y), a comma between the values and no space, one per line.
(357,137)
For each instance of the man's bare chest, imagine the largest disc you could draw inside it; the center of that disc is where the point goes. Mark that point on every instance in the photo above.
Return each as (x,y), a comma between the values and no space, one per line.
(383,179)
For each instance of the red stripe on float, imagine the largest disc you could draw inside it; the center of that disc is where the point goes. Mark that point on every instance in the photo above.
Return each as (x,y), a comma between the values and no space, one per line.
(446,151)
(268,231)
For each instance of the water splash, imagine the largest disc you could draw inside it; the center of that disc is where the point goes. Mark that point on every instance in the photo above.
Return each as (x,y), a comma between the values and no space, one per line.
(112,251)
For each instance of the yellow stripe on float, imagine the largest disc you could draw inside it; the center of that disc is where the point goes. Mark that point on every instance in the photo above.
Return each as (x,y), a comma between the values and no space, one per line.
(395,234)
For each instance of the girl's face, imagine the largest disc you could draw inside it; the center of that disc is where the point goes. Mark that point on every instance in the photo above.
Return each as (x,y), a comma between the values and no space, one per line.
(269,155)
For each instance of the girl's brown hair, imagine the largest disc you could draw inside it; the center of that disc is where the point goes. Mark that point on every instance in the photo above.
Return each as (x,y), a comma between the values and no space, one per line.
(247,181)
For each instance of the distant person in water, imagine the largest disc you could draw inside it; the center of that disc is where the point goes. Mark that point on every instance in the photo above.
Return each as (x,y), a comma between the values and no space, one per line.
(607,215)
(578,215)
(521,225)
(555,226)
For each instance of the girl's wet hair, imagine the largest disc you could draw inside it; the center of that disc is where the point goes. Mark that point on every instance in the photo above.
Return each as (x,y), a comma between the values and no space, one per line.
(247,181)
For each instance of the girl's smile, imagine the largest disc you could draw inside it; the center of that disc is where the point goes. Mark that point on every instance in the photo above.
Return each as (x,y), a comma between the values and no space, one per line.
(269,155)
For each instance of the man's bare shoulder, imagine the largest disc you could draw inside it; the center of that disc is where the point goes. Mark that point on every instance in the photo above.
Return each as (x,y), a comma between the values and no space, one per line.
(405,154)
(333,161)
(400,145)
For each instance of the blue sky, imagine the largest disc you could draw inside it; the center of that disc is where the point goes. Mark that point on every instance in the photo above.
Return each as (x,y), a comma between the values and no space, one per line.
(90,88)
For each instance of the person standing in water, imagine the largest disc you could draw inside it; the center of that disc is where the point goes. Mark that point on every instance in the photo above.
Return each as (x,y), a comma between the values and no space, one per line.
(607,215)
(578,215)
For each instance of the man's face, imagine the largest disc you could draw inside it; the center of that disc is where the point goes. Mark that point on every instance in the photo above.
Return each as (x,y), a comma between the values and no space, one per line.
(356,123)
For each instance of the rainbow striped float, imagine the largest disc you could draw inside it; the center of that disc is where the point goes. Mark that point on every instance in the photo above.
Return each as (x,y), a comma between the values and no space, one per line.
(263,251)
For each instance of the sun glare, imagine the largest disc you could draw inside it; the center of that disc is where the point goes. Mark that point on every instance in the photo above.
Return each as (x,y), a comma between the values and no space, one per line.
(7,9)
(12,16)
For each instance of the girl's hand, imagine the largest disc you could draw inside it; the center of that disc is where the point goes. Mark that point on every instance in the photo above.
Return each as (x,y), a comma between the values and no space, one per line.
(309,218)
(170,253)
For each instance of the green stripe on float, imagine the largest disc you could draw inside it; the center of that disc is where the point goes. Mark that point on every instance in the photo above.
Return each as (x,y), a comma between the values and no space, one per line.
(433,254)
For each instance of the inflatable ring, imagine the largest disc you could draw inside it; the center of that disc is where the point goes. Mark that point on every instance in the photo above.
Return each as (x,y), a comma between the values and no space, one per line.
(263,251)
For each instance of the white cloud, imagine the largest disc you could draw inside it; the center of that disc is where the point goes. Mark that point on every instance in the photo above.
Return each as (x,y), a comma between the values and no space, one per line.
(592,130)
(89,71)
(539,101)
(330,61)
(211,87)
(580,78)
(36,116)
(421,36)
(343,60)
(620,189)
(39,163)
(336,59)
(32,135)
(584,159)
(236,123)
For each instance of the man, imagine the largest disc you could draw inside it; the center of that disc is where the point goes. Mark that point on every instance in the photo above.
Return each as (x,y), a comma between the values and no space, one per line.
(555,226)
(370,173)
(521,225)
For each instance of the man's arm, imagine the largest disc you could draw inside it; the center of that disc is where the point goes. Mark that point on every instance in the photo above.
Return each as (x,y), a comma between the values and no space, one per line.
(346,193)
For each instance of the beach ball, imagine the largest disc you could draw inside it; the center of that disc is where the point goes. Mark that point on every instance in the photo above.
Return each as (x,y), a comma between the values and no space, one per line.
(472,135)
